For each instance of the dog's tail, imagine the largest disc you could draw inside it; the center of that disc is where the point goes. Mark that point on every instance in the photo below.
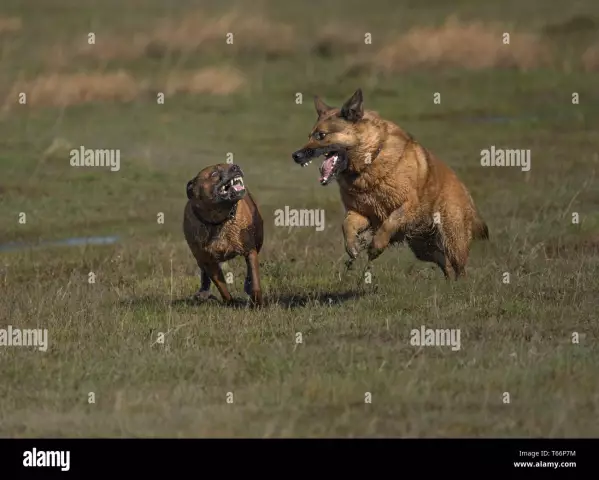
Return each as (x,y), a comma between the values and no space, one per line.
(480,231)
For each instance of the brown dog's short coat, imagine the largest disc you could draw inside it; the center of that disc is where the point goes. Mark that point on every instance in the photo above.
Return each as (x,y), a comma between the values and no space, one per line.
(393,187)
(222,221)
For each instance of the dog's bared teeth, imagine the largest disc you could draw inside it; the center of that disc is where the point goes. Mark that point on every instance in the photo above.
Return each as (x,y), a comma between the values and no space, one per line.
(236,181)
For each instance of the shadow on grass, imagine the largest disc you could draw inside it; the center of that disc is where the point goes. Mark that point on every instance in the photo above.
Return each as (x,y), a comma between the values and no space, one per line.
(299,300)
(287,301)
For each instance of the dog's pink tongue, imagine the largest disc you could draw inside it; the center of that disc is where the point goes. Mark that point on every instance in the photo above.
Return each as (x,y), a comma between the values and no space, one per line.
(326,169)
(238,188)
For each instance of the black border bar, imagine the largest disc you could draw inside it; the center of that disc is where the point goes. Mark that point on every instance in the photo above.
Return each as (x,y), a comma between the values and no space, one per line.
(314,457)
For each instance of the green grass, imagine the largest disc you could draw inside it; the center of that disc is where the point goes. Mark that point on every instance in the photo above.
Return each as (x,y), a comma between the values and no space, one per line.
(515,337)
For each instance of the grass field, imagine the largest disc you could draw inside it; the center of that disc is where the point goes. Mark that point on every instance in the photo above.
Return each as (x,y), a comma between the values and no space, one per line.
(240,98)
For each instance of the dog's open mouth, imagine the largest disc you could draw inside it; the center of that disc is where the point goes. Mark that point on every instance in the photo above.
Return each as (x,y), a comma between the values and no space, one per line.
(335,160)
(330,167)
(232,188)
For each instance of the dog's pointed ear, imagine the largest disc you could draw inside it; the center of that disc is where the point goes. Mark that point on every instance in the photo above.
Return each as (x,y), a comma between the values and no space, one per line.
(353,109)
(189,189)
(321,107)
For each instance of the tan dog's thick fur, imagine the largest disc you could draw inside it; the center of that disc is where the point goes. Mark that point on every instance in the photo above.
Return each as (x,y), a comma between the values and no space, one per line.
(392,186)
(221,221)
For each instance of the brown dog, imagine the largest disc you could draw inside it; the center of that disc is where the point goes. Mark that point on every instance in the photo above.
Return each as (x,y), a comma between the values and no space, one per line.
(393,187)
(221,221)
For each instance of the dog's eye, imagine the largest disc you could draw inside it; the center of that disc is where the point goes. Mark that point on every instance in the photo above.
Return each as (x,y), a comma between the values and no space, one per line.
(319,135)
(215,173)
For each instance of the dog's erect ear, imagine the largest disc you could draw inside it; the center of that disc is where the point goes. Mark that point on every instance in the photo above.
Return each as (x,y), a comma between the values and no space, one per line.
(189,189)
(353,109)
(321,107)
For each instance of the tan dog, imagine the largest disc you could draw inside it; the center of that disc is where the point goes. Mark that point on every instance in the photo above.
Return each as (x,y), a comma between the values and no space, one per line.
(392,186)
(221,221)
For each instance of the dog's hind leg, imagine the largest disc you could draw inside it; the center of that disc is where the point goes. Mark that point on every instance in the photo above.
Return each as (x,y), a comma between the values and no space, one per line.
(456,245)
(458,258)
(428,250)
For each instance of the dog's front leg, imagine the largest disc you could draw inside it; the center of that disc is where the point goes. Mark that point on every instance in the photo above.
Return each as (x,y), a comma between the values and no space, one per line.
(216,275)
(252,280)
(397,221)
(204,292)
(353,225)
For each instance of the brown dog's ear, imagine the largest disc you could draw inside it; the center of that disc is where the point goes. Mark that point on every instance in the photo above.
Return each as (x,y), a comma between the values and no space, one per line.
(321,107)
(189,189)
(353,109)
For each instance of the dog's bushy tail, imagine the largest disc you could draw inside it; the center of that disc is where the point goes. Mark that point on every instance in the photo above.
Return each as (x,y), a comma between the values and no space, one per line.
(480,230)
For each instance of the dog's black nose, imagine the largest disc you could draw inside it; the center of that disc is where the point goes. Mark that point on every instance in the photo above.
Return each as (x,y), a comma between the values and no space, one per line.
(235,168)
(299,155)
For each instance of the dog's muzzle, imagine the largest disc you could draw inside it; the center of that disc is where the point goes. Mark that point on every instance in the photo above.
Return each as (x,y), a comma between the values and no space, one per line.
(303,156)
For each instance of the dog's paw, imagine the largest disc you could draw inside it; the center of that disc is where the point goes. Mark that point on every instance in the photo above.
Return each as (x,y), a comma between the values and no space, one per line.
(374,252)
(352,252)
(349,263)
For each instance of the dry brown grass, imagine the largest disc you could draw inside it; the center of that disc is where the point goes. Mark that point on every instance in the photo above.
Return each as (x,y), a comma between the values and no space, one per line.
(214,81)
(473,46)
(193,32)
(63,90)
(258,34)
(10,24)
(110,48)
(337,39)
(56,56)
(590,59)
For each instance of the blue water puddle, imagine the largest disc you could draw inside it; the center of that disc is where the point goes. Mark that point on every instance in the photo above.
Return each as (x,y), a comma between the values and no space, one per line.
(67,242)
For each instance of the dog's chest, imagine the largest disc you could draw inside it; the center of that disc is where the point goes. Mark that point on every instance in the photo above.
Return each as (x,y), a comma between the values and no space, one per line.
(212,244)
(375,204)
(224,244)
